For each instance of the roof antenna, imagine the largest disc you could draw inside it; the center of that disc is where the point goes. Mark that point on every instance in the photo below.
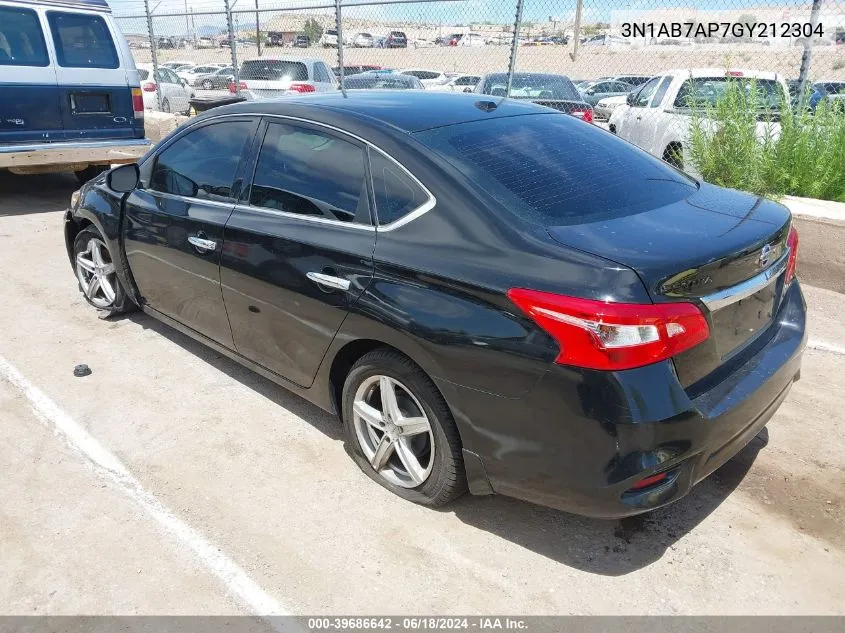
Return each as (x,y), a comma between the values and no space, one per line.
(517,24)
(339,28)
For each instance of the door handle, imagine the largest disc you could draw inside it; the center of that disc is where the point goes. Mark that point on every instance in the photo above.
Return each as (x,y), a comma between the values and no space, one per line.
(202,244)
(328,281)
(639,118)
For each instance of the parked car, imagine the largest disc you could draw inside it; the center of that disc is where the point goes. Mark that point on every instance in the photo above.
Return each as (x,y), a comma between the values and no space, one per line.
(218,80)
(396,39)
(205,42)
(354,69)
(329,39)
(633,80)
(175,91)
(192,74)
(616,41)
(362,40)
(423,43)
(471,39)
(382,81)
(62,105)
(301,41)
(379,41)
(266,77)
(474,303)
(428,78)
(552,91)
(595,90)
(657,115)
(458,83)
(827,90)
(176,63)
(604,107)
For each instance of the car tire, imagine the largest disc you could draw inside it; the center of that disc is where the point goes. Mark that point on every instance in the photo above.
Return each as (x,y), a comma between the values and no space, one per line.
(108,295)
(673,155)
(207,85)
(437,475)
(90,172)
(165,106)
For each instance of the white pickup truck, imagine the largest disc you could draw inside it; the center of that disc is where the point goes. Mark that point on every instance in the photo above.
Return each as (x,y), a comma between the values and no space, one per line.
(656,116)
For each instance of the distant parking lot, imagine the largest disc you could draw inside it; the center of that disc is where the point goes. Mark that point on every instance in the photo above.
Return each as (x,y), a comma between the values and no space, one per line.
(190,485)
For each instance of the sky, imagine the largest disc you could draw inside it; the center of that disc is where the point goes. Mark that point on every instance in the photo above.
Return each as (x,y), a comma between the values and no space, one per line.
(399,11)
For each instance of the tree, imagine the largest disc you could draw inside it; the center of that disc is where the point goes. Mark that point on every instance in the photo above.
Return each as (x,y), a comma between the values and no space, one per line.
(312,29)
(747,18)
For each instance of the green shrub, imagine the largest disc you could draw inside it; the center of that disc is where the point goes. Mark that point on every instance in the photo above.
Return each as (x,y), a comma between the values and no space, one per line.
(733,144)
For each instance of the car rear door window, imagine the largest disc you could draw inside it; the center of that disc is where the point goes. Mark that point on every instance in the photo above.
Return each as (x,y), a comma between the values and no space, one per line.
(396,193)
(273,70)
(312,173)
(321,75)
(82,40)
(644,95)
(556,170)
(21,40)
(202,163)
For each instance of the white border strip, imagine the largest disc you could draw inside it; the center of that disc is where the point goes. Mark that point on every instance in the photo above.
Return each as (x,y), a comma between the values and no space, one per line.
(107,465)
(825,347)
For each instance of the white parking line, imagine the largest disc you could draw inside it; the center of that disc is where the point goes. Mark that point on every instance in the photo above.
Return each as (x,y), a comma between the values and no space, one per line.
(107,465)
(825,347)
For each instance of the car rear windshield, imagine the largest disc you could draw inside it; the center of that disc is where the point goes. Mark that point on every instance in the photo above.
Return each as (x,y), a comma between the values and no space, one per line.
(366,81)
(707,91)
(555,170)
(273,70)
(531,86)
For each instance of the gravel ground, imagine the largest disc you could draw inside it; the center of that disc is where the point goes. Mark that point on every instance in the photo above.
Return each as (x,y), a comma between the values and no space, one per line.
(261,477)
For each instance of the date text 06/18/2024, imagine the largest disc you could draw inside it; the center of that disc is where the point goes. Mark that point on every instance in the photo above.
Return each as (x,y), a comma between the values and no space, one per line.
(722,29)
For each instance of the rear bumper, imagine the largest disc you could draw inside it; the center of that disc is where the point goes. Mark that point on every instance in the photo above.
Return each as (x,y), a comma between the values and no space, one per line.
(101,152)
(580,440)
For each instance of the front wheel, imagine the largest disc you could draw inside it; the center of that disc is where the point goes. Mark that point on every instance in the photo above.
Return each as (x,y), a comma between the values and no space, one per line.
(400,431)
(95,271)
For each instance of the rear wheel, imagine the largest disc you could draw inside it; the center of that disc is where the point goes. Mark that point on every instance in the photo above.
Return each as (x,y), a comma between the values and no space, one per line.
(165,106)
(674,156)
(95,271)
(400,431)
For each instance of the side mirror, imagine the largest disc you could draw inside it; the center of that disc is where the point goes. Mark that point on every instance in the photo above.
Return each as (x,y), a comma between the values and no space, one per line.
(590,91)
(630,99)
(123,179)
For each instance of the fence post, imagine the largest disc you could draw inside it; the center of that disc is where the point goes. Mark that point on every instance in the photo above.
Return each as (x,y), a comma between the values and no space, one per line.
(339,28)
(805,58)
(517,24)
(233,46)
(257,28)
(153,54)
(576,35)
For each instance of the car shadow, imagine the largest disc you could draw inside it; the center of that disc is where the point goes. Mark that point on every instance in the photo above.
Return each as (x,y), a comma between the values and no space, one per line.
(37,193)
(598,546)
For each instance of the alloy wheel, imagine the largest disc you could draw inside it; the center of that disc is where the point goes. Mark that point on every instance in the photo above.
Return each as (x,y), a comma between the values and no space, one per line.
(96,273)
(393,431)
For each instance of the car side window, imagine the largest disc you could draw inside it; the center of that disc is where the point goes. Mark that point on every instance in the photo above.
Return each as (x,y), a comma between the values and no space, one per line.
(202,163)
(466,81)
(168,76)
(646,93)
(320,73)
(82,40)
(21,40)
(661,92)
(396,193)
(311,173)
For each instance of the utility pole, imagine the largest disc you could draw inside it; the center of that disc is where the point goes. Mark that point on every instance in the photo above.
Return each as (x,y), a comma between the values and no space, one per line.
(805,58)
(187,24)
(517,24)
(577,31)
(153,54)
(257,29)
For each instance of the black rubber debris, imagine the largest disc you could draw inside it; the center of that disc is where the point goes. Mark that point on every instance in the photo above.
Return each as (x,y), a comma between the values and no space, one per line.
(81,370)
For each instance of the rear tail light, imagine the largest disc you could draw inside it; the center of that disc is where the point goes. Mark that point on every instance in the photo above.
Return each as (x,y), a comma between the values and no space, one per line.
(792,262)
(584,115)
(138,103)
(298,87)
(149,87)
(647,482)
(241,86)
(613,336)
(734,73)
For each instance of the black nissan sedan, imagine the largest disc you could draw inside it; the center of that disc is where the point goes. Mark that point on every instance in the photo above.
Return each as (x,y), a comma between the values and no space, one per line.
(489,294)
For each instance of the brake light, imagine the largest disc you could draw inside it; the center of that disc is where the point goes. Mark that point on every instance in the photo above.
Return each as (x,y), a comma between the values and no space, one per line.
(241,86)
(298,87)
(611,336)
(647,482)
(734,73)
(584,115)
(792,262)
(137,102)
(149,87)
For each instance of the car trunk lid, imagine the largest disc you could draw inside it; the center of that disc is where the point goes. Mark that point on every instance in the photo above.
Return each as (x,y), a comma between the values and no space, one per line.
(723,250)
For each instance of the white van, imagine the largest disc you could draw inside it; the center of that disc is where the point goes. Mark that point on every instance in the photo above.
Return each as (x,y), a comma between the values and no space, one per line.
(70,96)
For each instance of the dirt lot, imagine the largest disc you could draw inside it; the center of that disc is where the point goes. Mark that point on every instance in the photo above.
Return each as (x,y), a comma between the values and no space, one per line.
(592,62)
(171,480)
